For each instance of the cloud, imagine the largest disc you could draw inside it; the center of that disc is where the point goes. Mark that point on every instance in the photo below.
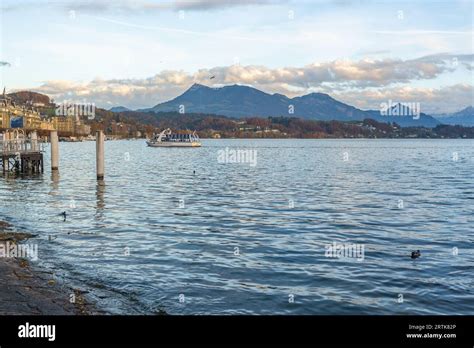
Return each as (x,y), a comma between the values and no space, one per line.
(217,35)
(363,83)
(199,5)
(432,100)
(423,32)
(5,64)
(341,73)
(134,93)
(127,6)
(149,92)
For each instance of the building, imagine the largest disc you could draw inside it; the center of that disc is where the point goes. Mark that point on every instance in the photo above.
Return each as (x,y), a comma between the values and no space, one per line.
(64,125)
(27,118)
(82,129)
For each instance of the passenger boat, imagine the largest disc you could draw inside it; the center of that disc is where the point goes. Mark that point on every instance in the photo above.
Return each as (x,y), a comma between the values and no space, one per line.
(169,139)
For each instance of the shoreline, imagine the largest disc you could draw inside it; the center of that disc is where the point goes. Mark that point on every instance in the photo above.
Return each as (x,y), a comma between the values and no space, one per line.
(26,289)
(300,138)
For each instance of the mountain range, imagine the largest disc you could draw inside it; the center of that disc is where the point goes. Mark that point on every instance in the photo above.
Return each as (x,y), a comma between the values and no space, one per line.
(119,109)
(465,117)
(239,101)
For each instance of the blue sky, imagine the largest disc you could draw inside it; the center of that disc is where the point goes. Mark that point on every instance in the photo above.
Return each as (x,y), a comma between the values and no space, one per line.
(139,53)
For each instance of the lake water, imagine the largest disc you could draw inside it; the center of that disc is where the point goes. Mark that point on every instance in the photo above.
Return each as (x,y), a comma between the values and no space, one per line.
(237,238)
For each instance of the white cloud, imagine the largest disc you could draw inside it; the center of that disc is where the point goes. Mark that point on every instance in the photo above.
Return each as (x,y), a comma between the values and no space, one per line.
(94,6)
(216,4)
(432,100)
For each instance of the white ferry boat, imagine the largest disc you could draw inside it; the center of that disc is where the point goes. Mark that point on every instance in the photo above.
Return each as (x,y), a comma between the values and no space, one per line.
(169,139)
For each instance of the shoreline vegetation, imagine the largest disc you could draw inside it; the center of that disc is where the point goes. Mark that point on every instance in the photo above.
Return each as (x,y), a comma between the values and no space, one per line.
(26,289)
(129,124)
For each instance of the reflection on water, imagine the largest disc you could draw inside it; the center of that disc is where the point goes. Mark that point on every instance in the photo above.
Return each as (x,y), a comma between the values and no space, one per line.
(100,191)
(174,230)
(54,181)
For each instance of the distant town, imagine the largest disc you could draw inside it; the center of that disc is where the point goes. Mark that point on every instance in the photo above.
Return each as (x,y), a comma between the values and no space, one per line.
(28,111)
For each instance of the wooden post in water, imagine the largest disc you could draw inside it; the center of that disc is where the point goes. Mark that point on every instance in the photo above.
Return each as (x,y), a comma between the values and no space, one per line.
(99,139)
(6,164)
(34,141)
(32,164)
(54,150)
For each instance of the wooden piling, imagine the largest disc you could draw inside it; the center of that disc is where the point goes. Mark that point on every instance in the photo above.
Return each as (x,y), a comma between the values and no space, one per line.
(99,138)
(6,162)
(54,150)
(34,141)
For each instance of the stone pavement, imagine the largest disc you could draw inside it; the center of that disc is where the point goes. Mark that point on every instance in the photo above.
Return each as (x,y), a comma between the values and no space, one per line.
(25,290)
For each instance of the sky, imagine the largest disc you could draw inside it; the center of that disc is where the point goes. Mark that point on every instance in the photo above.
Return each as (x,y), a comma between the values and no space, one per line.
(139,53)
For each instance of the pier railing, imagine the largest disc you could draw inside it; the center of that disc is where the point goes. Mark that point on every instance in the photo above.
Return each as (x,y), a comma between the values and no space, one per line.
(21,146)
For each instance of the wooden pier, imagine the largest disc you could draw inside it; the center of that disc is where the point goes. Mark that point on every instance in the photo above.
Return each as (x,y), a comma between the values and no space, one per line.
(21,153)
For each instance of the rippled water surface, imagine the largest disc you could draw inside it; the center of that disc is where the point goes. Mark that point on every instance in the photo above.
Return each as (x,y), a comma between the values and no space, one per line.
(238,246)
